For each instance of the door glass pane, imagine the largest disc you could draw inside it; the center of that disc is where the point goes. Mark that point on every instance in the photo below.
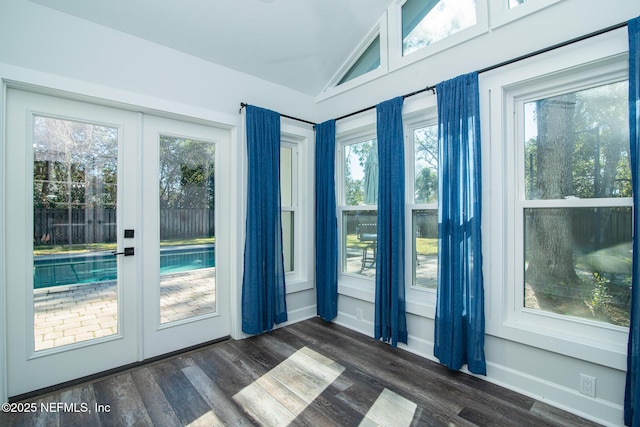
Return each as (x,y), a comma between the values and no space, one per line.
(75,170)
(187,228)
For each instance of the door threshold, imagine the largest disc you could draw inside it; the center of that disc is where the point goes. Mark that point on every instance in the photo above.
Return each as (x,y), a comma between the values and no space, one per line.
(118,370)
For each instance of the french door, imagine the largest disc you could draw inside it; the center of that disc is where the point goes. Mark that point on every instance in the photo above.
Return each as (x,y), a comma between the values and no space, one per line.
(111,238)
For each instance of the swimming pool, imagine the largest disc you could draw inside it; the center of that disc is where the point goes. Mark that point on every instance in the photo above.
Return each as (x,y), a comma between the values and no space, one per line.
(58,270)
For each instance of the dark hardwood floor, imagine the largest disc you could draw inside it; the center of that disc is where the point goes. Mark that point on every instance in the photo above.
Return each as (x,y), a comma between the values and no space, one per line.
(308,374)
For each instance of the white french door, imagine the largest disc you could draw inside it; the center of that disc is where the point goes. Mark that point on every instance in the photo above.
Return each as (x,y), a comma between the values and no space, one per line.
(104,265)
(185,302)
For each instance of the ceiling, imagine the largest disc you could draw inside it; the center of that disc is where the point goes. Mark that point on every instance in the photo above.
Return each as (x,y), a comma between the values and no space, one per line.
(299,44)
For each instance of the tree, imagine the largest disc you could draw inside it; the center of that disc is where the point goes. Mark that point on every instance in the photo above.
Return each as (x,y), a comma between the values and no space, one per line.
(426,156)
(187,174)
(551,248)
(354,187)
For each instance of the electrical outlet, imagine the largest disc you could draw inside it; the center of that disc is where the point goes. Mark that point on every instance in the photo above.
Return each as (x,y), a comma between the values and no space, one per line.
(588,385)
(359,313)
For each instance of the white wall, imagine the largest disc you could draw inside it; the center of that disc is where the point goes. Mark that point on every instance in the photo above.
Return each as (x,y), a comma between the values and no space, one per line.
(537,369)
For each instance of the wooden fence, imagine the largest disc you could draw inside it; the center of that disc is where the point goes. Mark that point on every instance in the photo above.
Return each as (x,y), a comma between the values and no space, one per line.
(86,226)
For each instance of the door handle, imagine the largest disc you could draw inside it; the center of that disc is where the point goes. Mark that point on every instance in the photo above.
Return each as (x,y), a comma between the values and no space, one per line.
(127,252)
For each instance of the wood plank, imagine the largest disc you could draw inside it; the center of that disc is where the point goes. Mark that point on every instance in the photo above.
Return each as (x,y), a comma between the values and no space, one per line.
(185,400)
(122,402)
(157,405)
(217,400)
(80,407)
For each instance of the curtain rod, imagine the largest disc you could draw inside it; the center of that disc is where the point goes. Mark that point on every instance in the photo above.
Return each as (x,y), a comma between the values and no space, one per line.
(483,70)
(244,104)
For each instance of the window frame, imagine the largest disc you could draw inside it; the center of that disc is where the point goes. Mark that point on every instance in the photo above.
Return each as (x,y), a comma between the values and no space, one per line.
(398,60)
(301,277)
(334,87)
(285,142)
(418,299)
(356,285)
(579,66)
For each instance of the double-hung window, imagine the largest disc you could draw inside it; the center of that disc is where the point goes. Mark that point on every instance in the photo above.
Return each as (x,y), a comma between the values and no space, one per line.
(422,198)
(288,201)
(569,225)
(358,205)
(575,203)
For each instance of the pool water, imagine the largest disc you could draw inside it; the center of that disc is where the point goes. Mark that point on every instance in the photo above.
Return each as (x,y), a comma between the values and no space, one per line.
(58,270)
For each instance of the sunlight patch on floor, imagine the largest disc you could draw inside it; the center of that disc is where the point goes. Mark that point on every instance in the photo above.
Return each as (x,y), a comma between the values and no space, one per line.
(390,409)
(280,395)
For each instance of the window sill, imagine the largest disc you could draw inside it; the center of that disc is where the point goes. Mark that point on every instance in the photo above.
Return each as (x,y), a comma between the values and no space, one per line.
(585,347)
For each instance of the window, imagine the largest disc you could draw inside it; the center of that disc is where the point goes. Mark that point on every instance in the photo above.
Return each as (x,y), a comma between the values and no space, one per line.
(575,204)
(424,210)
(427,21)
(514,3)
(368,61)
(288,189)
(359,206)
(506,11)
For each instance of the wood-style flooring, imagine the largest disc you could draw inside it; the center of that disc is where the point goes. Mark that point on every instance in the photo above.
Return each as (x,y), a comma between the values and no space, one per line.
(308,374)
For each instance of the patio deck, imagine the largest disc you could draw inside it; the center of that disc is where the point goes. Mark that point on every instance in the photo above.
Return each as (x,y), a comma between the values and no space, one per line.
(69,314)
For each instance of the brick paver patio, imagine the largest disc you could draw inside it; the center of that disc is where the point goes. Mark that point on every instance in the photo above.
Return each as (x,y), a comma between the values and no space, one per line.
(69,314)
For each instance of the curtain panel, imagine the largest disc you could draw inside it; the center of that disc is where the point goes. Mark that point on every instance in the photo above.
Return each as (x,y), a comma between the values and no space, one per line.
(632,387)
(263,286)
(459,322)
(390,305)
(326,222)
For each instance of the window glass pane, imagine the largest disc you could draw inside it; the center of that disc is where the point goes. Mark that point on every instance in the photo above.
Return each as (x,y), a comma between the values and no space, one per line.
(425,248)
(368,61)
(359,242)
(576,145)
(514,3)
(187,228)
(425,142)
(426,21)
(361,173)
(578,262)
(286,175)
(288,240)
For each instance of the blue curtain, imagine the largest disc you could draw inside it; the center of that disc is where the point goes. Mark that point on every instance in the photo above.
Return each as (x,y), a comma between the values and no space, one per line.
(632,388)
(459,323)
(263,287)
(390,317)
(326,222)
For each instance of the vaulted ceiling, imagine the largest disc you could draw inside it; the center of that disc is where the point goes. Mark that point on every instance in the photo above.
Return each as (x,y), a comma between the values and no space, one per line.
(299,44)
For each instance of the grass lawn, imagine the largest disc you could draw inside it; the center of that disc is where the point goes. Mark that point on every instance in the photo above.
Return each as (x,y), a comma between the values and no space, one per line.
(97,247)
(424,245)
